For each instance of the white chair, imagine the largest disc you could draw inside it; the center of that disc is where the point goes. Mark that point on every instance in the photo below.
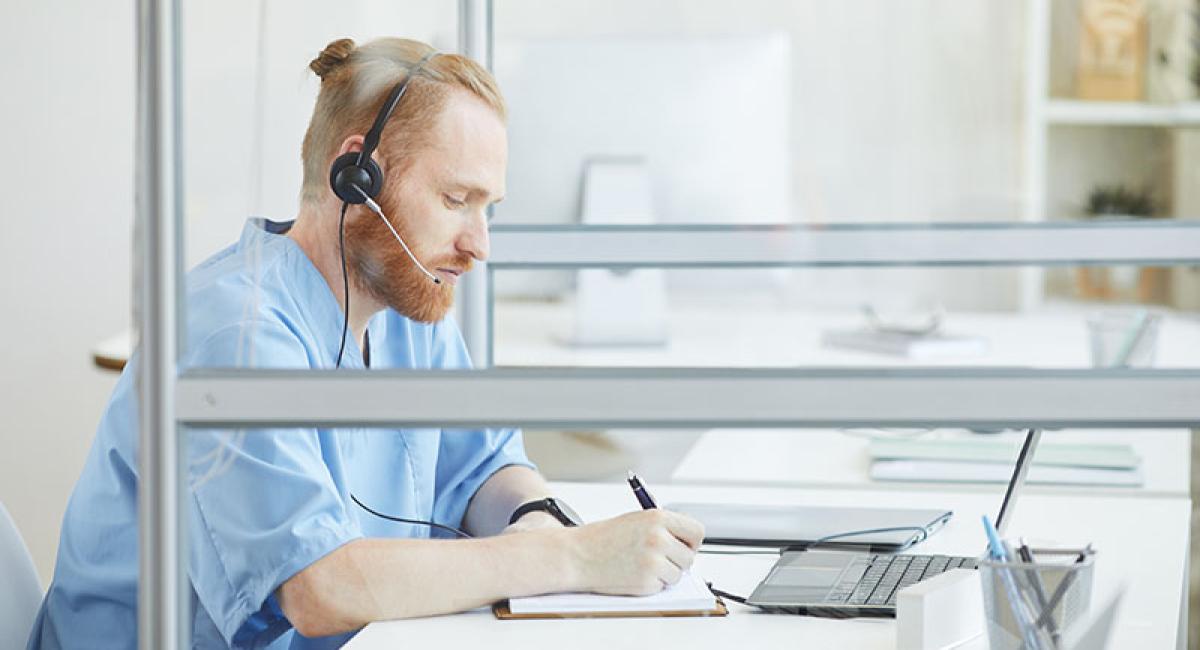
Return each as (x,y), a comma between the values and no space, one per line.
(20,590)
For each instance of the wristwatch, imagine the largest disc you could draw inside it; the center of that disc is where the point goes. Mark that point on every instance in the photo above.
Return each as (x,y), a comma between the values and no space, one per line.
(557,508)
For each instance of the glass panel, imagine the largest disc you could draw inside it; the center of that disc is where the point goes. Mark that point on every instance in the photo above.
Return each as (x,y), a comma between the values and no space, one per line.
(862,457)
(365,464)
(961,316)
(248,97)
(763,112)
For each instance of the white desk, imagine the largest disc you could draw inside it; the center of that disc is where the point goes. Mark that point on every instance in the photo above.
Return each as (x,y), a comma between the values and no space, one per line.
(764,333)
(828,457)
(1141,542)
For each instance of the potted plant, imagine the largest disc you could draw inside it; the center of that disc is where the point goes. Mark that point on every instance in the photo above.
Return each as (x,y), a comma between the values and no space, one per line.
(1141,284)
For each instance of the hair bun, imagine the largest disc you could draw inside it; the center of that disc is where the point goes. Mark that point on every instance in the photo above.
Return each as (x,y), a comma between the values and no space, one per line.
(332,57)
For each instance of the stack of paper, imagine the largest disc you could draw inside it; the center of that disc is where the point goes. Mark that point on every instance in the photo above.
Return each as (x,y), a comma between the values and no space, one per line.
(914,346)
(690,594)
(991,461)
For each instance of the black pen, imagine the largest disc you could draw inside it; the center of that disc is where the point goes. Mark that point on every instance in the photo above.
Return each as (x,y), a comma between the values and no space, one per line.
(1039,589)
(640,492)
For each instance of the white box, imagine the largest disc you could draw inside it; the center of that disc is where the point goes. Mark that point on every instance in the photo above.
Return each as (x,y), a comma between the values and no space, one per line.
(943,611)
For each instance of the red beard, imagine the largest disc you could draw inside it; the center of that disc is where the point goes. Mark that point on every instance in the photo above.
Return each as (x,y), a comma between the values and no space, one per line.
(379,266)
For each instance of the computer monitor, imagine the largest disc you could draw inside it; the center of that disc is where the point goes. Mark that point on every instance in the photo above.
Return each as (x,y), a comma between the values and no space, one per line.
(710,116)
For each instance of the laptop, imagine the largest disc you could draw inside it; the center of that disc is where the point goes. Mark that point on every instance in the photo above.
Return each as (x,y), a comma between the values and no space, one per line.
(876,530)
(843,584)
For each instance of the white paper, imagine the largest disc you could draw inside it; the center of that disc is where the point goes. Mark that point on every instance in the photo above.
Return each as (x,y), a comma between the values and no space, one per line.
(689,594)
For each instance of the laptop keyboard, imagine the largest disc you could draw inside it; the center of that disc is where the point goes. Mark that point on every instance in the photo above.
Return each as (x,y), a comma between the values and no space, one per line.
(875,579)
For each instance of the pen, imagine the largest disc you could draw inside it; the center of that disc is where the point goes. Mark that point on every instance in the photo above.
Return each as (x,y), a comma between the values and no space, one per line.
(1132,340)
(1058,594)
(995,546)
(640,492)
(1024,619)
(1039,590)
(1048,610)
(1083,554)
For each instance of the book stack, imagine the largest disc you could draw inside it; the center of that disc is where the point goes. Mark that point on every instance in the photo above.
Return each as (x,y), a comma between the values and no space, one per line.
(991,461)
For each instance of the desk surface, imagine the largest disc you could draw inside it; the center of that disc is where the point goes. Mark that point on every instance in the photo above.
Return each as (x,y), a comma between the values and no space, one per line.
(771,335)
(829,457)
(1149,559)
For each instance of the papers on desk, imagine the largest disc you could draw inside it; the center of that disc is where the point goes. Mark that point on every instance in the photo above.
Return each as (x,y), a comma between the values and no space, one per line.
(990,461)
(960,472)
(914,346)
(688,596)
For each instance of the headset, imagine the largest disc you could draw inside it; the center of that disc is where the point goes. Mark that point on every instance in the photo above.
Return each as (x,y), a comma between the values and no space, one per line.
(356,179)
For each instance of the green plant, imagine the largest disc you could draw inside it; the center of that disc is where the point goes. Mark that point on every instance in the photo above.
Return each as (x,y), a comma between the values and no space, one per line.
(1120,200)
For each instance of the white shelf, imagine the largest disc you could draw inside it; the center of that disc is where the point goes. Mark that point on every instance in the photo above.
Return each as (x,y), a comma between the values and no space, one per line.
(1078,112)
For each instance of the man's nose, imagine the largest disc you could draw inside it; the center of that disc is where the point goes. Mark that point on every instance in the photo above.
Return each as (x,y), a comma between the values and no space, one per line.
(474,238)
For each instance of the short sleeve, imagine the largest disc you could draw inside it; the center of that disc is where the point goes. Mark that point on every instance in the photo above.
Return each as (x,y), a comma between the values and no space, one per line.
(264,502)
(467,458)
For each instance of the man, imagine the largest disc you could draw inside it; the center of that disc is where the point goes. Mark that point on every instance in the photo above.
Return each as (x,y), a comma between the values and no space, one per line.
(280,555)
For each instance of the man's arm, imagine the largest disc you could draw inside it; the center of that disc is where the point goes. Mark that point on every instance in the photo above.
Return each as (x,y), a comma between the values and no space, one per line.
(378,579)
(505,491)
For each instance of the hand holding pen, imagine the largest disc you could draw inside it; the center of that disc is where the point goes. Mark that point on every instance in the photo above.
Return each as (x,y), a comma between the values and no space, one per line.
(639,491)
(639,552)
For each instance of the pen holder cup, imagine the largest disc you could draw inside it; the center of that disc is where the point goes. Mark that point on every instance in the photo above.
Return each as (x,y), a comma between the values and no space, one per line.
(1037,586)
(1120,339)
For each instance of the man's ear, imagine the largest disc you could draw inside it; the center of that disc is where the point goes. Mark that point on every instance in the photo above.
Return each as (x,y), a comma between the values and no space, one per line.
(354,143)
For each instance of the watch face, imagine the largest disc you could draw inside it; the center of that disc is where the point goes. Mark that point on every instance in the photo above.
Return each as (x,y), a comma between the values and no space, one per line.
(565,513)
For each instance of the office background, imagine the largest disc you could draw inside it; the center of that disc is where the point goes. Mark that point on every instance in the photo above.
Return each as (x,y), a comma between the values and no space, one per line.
(898,112)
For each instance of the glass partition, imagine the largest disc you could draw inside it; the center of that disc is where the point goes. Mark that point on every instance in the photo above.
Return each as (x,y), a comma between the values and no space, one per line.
(763,113)
(1090,317)
(802,173)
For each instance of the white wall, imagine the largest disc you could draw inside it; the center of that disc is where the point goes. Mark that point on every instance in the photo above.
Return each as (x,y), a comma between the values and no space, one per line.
(67,180)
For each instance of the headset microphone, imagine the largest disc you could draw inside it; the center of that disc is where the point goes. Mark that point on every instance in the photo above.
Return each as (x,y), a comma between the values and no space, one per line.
(355,178)
(374,207)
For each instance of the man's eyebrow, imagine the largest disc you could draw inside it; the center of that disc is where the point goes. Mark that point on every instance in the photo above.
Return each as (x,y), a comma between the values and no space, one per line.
(472,188)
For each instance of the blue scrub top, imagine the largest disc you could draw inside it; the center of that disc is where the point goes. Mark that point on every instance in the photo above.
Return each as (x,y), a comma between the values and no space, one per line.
(264,503)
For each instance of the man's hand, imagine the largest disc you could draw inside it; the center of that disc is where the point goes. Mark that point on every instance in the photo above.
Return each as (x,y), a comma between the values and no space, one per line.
(535,520)
(637,553)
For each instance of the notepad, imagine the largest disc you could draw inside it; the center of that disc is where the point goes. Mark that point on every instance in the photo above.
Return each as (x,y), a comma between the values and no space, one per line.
(689,596)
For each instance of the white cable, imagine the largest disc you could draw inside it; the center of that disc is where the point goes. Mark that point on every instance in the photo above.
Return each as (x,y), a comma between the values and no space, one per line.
(379,211)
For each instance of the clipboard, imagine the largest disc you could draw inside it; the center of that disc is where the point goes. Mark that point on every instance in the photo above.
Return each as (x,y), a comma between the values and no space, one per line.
(503,613)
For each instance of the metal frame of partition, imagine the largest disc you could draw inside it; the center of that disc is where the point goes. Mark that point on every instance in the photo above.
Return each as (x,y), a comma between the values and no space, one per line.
(162,576)
(1161,242)
(691,397)
(172,401)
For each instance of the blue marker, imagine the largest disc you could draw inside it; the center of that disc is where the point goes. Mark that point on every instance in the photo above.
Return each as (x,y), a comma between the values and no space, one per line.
(1023,617)
(997,547)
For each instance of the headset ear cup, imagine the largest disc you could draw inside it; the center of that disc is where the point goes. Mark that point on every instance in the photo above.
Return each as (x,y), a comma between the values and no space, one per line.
(346,174)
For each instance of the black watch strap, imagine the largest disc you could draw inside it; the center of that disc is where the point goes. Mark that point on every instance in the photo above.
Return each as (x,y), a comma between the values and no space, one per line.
(550,505)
